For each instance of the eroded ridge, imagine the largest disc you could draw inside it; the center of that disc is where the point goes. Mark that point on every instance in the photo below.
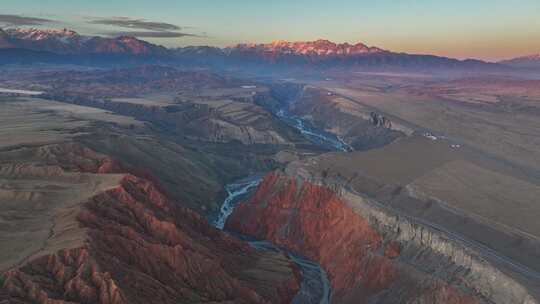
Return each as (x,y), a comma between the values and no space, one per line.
(129,243)
(369,253)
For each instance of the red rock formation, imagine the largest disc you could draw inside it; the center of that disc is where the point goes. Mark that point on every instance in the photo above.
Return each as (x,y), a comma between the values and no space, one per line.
(139,247)
(312,220)
(392,250)
(75,157)
(319,218)
(69,275)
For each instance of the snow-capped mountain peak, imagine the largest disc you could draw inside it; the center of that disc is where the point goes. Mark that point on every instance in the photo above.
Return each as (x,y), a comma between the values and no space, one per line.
(65,41)
(43,34)
(320,47)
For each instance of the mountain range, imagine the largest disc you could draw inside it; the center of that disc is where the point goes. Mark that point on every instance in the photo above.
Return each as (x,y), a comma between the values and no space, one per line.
(50,43)
(530,61)
(319,48)
(69,42)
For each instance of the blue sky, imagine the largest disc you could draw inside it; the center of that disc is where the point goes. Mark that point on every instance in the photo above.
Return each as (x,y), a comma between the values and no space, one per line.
(484,29)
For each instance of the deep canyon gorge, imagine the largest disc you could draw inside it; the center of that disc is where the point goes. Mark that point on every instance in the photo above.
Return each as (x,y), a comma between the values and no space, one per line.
(266,183)
(370,253)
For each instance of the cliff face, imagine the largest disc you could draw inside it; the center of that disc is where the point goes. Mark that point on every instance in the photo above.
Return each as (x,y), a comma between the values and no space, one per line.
(251,125)
(366,259)
(134,245)
(354,124)
(295,222)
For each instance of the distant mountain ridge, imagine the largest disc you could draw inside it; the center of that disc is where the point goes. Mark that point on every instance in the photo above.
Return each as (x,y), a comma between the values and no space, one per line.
(278,54)
(70,42)
(326,54)
(529,61)
(319,48)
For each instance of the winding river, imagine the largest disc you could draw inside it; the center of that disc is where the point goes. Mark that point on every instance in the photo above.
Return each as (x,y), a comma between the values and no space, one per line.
(315,135)
(315,287)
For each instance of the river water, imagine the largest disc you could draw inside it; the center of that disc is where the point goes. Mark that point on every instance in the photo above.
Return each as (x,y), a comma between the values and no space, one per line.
(315,287)
(319,137)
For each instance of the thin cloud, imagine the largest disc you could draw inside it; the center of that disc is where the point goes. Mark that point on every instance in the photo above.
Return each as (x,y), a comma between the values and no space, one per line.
(126,22)
(150,34)
(20,20)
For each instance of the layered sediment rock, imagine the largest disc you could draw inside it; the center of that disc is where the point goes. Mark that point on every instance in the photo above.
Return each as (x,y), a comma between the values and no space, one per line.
(334,114)
(131,244)
(370,254)
(243,122)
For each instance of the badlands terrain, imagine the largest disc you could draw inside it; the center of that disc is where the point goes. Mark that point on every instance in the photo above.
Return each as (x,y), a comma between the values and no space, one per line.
(168,183)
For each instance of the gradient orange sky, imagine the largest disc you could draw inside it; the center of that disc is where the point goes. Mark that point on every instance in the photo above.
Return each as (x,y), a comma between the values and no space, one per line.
(483,29)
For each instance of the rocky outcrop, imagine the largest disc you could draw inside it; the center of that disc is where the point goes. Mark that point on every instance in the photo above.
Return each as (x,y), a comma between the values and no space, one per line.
(134,245)
(295,224)
(380,120)
(70,276)
(369,254)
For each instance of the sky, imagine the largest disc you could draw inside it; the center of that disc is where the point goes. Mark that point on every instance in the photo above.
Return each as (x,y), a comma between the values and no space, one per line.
(482,29)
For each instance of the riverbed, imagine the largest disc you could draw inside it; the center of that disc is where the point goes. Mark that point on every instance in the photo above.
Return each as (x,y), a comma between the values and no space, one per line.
(320,137)
(315,287)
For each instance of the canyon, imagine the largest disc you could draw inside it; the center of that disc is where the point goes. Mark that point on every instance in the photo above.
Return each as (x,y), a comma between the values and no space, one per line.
(123,236)
(284,172)
(370,253)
